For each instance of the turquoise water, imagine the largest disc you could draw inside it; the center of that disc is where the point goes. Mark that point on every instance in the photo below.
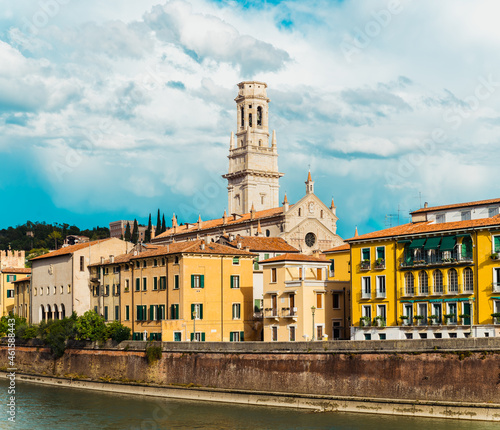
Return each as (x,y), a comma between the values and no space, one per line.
(42,407)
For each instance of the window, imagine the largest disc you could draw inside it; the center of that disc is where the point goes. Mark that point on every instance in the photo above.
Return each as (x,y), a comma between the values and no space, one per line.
(422,311)
(437,311)
(41,291)
(155,283)
(366,311)
(144,284)
(259,116)
(409,335)
(137,264)
(319,301)
(496,243)
(440,218)
(48,291)
(176,259)
(141,313)
(382,336)
(153,312)
(366,287)
(55,290)
(117,313)
(10,294)
(465,215)
(368,336)
(274,333)
(250,120)
(82,263)
(452,335)
(336,300)
(291,333)
(332,268)
(381,287)
(163,282)
(174,312)
(197,337)
(382,312)
(409,284)
(137,284)
(197,281)
(176,282)
(106,270)
(155,263)
(177,336)
(196,311)
(468,280)
(452,281)
(438,281)
(300,212)
(336,329)
(236,336)
(452,311)
(127,313)
(235,281)
(365,254)
(319,274)
(319,331)
(163,261)
(408,312)
(438,335)
(423,282)
(236,261)
(266,256)
(492,211)
(106,313)
(236,311)
(161,312)
(144,264)
(381,252)
(242,118)
(69,289)
(273,275)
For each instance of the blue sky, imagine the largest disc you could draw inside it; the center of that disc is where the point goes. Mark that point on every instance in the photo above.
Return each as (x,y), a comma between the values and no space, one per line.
(112,110)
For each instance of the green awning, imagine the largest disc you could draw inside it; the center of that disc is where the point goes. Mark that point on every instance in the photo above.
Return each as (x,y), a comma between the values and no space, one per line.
(461,299)
(404,241)
(463,235)
(417,243)
(436,300)
(496,298)
(407,301)
(448,243)
(432,243)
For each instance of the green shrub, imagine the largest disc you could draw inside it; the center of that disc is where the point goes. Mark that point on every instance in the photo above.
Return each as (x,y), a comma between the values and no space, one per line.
(153,353)
(118,332)
(30,332)
(90,326)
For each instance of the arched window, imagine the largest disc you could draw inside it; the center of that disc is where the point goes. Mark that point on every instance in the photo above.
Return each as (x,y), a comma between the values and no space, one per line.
(409,282)
(242,117)
(423,282)
(63,311)
(300,212)
(268,233)
(49,313)
(438,281)
(321,213)
(260,142)
(250,120)
(468,280)
(42,313)
(259,116)
(56,312)
(452,281)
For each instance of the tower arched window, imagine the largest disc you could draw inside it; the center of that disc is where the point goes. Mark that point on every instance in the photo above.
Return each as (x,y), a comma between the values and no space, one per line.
(250,120)
(468,280)
(409,283)
(423,282)
(242,117)
(259,116)
(452,281)
(438,281)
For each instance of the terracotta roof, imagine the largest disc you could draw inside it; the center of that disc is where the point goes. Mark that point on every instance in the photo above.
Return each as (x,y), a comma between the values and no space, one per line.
(15,270)
(344,247)
(69,249)
(426,227)
(254,243)
(27,278)
(122,258)
(457,205)
(193,247)
(295,257)
(219,222)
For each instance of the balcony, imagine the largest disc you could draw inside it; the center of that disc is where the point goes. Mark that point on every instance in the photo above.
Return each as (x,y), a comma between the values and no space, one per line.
(379,264)
(289,312)
(365,265)
(454,258)
(407,292)
(495,287)
(366,294)
(381,294)
(271,313)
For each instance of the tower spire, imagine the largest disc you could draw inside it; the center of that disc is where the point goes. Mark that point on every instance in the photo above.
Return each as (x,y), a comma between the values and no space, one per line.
(309,184)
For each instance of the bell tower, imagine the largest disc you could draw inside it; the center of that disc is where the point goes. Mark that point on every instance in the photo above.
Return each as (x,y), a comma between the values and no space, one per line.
(253,176)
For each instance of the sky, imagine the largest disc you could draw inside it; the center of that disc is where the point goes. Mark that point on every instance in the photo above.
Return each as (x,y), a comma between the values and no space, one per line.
(111,110)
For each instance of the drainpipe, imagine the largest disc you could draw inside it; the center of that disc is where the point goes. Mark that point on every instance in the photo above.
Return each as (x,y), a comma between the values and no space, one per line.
(395,281)
(222,298)
(132,293)
(476,302)
(166,288)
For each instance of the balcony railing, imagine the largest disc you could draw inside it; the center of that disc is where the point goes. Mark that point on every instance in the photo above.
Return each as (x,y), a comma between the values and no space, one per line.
(365,265)
(381,294)
(270,313)
(495,287)
(407,292)
(288,312)
(454,258)
(366,294)
(379,265)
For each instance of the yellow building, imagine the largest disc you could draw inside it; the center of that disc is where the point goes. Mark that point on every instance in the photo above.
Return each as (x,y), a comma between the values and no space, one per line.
(8,276)
(300,303)
(22,297)
(182,291)
(436,277)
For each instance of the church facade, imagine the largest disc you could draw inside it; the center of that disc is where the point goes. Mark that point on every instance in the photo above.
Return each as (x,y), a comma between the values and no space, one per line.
(253,189)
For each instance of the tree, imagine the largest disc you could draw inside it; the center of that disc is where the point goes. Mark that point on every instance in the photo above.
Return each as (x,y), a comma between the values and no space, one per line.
(147,236)
(90,326)
(163,225)
(55,235)
(128,235)
(158,223)
(117,331)
(135,232)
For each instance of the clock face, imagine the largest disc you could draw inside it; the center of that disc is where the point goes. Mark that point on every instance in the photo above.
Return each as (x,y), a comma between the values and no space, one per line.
(310,239)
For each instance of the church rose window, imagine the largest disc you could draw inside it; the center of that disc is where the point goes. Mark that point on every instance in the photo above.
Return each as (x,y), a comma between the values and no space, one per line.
(310,239)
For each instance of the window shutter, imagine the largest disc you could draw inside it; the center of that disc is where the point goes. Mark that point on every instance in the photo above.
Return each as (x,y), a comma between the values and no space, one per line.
(231,336)
(266,256)
(192,281)
(127,313)
(176,281)
(203,337)
(192,337)
(202,281)
(172,312)
(137,284)
(497,243)
(232,281)
(192,311)
(242,336)
(155,283)
(201,312)
(151,312)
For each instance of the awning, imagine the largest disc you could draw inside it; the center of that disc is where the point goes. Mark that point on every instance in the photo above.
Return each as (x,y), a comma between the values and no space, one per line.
(463,235)
(271,292)
(417,243)
(461,299)
(432,243)
(448,243)
(404,241)
(496,298)
(407,301)
(436,300)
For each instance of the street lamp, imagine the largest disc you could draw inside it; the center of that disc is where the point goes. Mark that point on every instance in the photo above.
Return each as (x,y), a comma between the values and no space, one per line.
(312,311)
(471,310)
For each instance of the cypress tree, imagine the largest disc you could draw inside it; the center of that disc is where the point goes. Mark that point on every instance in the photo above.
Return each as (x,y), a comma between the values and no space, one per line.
(135,232)
(163,225)
(158,223)
(147,235)
(128,235)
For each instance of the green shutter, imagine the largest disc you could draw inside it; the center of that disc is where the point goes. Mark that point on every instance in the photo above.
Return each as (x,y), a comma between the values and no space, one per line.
(151,312)
(232,281)
(231,336)
(145,284)
(177,312)
(365,253)
(155,283)
(242,336)
(192,337)
(192,311)
(138,313)
(192,281)
(381,252)
(203,337)
(172,312)
(201,312)
(127,313)
(256,263)
(176,281)
(137,284)
(497,243)
(116,313)
(106,313)
(202,281)
(332,265)
(266,256)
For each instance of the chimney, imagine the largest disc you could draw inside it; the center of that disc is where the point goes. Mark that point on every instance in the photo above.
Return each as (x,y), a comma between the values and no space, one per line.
(102,260)
(111,259)
(252,212)
(426,205)
(202,246)
(224,218)
(285,204)
(238,245)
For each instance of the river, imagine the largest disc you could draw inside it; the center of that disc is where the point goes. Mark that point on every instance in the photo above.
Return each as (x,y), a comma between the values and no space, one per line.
(44,407)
